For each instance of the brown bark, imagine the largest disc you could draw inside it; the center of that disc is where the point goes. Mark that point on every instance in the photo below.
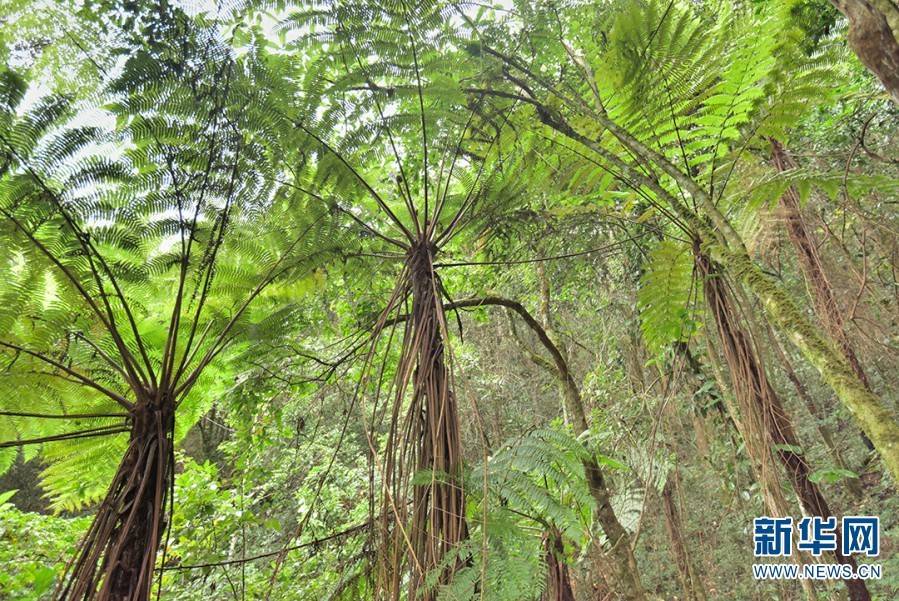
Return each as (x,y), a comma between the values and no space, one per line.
(823,298)
(117,556)
(438,524)
(748,422)
(558,578)
(874,37)
(689,581)
(755,392)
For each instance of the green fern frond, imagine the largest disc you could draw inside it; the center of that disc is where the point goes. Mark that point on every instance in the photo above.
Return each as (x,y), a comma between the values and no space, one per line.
(665,296)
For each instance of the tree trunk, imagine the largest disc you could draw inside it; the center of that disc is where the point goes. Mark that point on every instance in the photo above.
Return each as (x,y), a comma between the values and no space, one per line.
(558,578)
(117,557)
(689,580)
(824,300)
(617,563)
(438,506)
(755,392)
(748,422)
(874,37)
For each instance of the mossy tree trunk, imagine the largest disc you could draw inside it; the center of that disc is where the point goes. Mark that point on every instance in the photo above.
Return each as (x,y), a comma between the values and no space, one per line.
(817,413)
(725,246)
(870,413)
(874,37)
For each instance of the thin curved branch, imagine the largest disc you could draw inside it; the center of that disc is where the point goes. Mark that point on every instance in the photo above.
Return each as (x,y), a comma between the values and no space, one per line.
(377,197)
(105,431)
(227,562)
(80,377)
(61,415)
(868,151)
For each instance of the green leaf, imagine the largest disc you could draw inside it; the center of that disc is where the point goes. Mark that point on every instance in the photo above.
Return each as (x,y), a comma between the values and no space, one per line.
(43,578)
(665,294)
(831,475)
(7,495)
(789,448)
(609,462)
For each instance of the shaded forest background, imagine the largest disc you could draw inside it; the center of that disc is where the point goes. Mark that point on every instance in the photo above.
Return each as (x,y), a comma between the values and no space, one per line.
(395,300)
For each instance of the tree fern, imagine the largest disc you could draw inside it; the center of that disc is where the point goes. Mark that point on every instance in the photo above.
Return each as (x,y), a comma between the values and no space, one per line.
(535,485)
(703,85)
(154,265)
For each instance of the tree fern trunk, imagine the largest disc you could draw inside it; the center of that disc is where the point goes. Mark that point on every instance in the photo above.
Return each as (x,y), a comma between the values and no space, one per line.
(752,387)
(815,410)
(438,506)
(727,247)
(117,557)
(558,578)
(748,423)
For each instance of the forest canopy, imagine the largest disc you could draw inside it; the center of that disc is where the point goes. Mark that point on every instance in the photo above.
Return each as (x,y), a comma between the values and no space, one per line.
(447,301)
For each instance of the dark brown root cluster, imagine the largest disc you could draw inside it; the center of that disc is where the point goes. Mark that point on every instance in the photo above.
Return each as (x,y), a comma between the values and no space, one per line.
(558,579)
(424,451)
(117,556)
(767,421)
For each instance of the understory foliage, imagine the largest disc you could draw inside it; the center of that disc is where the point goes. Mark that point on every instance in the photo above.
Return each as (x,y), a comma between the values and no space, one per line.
(443,301)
